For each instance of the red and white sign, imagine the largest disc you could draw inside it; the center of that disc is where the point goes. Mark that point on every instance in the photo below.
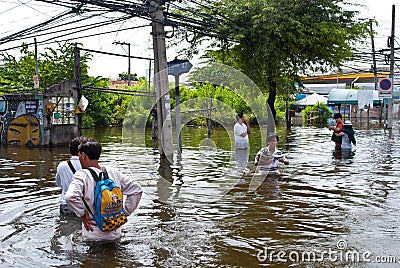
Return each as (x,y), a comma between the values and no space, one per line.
(385,88)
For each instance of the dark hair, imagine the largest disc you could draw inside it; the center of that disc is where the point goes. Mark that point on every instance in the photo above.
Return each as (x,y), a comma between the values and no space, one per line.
(74,144)
(337,115)
(272,137)
(238,117)
(91,148)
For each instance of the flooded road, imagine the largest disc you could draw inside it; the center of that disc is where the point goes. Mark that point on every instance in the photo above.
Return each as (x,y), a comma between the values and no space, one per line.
(324,210)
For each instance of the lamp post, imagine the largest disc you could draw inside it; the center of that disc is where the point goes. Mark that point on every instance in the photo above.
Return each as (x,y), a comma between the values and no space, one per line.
(352,83)
(129,58)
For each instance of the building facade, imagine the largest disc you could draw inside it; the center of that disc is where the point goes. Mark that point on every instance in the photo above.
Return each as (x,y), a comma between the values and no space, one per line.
(45,118)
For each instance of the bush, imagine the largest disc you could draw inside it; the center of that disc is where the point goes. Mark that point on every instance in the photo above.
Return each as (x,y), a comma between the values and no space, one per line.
(319,113)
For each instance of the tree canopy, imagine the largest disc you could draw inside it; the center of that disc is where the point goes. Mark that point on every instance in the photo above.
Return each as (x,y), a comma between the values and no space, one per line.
(55,66)
(272,41)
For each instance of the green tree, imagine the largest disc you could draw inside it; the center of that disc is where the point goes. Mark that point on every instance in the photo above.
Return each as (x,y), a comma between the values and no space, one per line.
(275,41)
(54,64)
(57,65)
(124,77)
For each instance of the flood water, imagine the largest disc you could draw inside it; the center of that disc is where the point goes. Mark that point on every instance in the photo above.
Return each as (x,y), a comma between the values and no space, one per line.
(323,210)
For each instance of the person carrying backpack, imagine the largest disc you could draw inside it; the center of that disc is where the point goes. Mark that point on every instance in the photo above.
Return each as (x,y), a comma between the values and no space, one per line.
(96,195)
(65,173)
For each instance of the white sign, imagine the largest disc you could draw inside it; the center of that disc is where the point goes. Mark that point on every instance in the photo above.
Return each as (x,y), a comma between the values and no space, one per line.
(396,79)
(36,81)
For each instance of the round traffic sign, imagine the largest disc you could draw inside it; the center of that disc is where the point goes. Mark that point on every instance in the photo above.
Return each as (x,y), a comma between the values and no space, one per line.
(385,84)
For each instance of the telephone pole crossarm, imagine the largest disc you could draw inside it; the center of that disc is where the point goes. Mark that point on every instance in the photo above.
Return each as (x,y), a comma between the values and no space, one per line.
(129,58)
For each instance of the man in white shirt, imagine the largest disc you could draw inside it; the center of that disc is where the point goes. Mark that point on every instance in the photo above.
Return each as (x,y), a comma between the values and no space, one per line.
(81,191)
(240,132)
(65,172)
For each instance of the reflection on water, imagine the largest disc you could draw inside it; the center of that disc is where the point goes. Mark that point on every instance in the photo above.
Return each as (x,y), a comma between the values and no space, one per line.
(201,211)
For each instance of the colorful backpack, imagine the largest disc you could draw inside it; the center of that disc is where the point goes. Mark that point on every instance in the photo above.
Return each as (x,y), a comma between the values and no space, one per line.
(109,212)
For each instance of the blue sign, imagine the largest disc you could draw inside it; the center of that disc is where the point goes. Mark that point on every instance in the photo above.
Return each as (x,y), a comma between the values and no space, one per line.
(178,67)
(385,84)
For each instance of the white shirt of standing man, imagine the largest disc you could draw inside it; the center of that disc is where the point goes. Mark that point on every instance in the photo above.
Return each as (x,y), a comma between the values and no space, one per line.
(240,132)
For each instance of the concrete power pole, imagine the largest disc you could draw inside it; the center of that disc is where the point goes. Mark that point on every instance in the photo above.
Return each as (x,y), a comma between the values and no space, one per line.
(373,59)
(78,82)
(390,106)
(161,82)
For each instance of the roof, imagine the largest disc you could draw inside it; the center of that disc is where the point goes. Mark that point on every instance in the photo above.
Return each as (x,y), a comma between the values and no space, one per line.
(344,78)
(321,89)
(339,96)
(311,100)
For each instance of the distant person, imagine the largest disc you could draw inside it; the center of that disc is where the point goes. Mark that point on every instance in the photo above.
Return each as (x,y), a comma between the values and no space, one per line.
(337,129)
(240,132)
(80,194)
(268,158)
(65,173)
(347,136)
(246,122)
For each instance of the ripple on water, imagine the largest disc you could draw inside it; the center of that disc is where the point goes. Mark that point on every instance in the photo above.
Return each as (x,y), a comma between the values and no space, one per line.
(199,211)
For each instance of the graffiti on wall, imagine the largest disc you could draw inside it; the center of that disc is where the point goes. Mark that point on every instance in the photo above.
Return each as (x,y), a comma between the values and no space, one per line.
(24,130)
(19,122)
(23,119)
(3,110)
(3,106)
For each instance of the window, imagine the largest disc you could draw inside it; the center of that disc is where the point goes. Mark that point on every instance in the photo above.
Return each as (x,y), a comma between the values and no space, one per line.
(64,110)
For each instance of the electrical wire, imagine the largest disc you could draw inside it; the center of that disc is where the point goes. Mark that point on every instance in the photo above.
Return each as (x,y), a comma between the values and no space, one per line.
(205,23)
(52,41)
(74,29)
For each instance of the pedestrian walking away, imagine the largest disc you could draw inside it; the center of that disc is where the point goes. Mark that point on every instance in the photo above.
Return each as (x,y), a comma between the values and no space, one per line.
(81,194)
(65,173)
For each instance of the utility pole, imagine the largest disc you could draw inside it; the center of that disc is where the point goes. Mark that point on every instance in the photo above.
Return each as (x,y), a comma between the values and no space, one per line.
(373,58)
(390,106)
(161,82)
(374,70)
(178,114)
(288,123)
(78,82)
(129,58)
(36,76)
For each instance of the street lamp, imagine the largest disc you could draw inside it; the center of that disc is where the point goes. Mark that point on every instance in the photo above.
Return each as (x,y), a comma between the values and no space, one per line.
(352,83)
(129,58)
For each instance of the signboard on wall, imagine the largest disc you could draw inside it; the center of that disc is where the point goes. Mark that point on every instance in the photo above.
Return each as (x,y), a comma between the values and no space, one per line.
(31,107)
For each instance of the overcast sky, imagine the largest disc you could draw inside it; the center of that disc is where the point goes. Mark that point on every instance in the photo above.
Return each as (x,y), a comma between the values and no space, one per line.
(16,15)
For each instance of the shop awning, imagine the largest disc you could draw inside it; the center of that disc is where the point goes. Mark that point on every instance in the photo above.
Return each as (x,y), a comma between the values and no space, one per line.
(311,100)
(340,96)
